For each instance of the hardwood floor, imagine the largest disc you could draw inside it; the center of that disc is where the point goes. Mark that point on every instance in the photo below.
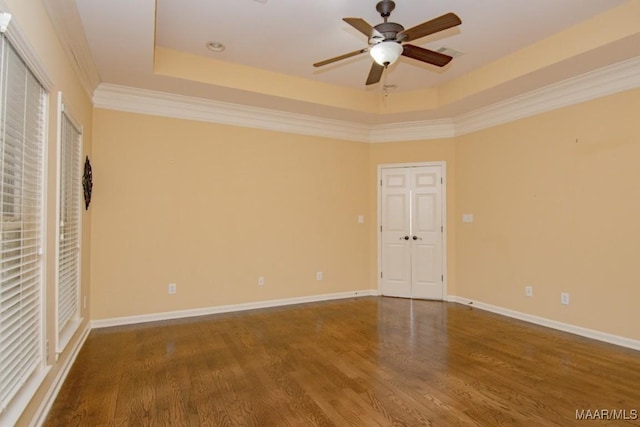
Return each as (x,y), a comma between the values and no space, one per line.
(367,361)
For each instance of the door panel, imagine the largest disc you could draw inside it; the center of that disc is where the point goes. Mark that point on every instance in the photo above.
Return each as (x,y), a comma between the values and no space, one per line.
(395,180)
(426,281)
(424,216)
(397,212)
(397,274)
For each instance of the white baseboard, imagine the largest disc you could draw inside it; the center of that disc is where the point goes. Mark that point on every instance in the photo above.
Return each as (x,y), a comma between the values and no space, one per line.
(51,394)
(566,327)
(154,317)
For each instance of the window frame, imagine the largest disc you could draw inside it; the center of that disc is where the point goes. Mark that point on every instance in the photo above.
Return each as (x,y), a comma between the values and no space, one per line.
(14,36)
(64,333)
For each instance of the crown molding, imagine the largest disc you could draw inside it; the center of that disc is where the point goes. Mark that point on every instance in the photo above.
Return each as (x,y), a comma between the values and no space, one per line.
(595,84)
(144,101)
(68,26)
(133,100)
(412,131)
(604,81)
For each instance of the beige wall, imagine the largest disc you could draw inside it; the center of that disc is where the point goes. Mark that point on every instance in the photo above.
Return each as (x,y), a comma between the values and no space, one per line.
(554,199)
(212,207)
(556,202)
(33,22)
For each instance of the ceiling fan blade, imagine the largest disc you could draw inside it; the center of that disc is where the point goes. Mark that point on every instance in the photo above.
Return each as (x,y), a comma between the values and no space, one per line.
(435,25)
(426,55)
(364,27)
(341,57)
(375,73)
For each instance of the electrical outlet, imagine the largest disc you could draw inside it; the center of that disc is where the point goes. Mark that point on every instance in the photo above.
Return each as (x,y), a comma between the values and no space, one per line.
(528,291)
(261,281)
(564,298)
(319,275)
(172,288)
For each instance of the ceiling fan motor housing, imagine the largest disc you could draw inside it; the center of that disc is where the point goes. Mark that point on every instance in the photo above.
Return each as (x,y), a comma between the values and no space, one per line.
(389,30)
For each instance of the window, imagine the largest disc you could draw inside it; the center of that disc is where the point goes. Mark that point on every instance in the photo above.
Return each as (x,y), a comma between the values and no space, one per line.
(68,293)
(23,102)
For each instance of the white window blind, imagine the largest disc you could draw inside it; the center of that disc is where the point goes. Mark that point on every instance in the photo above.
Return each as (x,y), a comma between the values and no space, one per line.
(69,232)
(22,124)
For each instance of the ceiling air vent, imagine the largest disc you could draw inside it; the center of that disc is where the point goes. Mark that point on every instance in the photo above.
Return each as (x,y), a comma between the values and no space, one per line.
(451,52)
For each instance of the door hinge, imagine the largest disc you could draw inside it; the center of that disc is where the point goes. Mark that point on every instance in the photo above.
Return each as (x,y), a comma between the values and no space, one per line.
(380,183)
(442,277)
(381,229)
(442,228)
(441,180)
(381,274)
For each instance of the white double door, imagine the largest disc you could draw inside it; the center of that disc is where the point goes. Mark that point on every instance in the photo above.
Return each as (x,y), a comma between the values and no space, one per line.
(412,232)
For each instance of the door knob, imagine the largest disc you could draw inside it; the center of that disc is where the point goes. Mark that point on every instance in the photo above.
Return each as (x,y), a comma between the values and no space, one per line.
(417,238)
(404,238)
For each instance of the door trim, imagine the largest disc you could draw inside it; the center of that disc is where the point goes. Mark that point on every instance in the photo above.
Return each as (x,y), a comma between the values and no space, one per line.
(443,166)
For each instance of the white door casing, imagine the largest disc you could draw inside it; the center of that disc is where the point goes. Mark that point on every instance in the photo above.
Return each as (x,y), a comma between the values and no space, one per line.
(411,224)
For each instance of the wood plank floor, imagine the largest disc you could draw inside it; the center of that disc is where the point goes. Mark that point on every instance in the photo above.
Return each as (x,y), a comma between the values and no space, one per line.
(363,362)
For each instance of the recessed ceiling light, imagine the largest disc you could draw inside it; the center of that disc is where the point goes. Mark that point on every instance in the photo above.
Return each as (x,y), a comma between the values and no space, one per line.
(215,46)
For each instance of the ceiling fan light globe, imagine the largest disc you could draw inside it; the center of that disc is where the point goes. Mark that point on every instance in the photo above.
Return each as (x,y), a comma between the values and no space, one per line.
(386,53)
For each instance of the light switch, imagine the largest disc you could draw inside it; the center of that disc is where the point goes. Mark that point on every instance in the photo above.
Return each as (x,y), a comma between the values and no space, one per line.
(360,219)
(467,217)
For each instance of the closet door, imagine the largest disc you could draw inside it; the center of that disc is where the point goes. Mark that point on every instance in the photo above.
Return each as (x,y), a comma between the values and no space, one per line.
(396,227)
(426,233)
(411,232)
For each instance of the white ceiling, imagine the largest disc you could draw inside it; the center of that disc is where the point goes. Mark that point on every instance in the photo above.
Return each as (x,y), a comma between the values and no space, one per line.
(288,36)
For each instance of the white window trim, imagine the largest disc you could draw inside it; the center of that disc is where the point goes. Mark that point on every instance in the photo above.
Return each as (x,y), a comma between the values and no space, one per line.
(20,43)
(64,335)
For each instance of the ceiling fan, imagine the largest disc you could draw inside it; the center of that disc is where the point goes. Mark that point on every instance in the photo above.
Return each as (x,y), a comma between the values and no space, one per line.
(386,38)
